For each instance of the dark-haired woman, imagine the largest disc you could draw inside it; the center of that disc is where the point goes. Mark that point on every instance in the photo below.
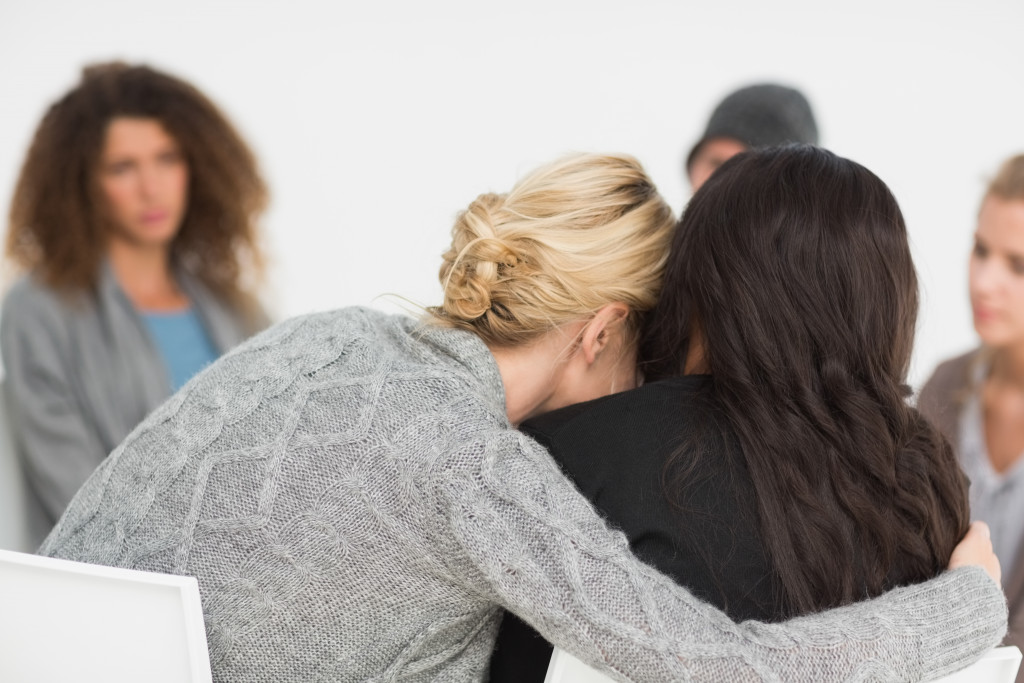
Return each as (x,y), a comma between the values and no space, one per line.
(134,220)
(771,463)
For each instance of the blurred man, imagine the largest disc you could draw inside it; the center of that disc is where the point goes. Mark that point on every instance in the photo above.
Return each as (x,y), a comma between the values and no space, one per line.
(759,115)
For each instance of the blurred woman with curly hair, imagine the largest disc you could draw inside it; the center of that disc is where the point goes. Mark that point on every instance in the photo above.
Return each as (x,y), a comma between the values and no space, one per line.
(134,225)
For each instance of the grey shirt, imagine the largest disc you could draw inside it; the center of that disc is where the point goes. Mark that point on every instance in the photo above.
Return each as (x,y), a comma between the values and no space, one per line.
(997,498)
(81,370)
(355,504)
(944,399)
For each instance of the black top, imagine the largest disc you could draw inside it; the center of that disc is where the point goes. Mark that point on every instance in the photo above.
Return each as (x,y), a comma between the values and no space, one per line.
(615,449)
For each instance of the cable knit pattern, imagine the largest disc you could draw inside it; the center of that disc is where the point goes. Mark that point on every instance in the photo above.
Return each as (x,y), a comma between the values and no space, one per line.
(349,493)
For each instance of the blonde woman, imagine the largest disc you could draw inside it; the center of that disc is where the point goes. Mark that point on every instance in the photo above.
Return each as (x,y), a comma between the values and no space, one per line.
(977,399)
(351,492)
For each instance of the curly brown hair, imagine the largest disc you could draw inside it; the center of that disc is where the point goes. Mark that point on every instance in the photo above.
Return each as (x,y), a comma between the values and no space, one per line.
(57,227)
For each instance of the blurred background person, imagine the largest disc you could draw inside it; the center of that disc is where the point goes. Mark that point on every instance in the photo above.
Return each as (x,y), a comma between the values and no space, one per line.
(761,115)
(134,226)
(977,399)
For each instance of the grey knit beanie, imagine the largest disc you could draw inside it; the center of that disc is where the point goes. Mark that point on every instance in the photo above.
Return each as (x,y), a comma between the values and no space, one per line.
(761,115)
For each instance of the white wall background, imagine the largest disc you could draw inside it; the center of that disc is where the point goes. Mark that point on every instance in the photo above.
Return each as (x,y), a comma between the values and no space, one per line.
(375,122)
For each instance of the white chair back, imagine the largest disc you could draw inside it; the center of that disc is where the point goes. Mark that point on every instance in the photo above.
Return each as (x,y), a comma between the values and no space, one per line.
(997,666)
(564,668)
(69,621)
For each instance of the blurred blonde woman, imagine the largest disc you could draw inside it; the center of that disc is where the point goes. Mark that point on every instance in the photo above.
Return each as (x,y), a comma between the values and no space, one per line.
(134,221)
(977,399)
(352,494)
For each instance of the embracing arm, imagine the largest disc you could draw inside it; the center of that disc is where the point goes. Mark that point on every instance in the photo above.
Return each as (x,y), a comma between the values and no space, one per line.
(530,542)
(58,449)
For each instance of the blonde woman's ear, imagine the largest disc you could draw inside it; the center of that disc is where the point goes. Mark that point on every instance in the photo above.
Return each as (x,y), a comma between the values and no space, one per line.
(604,330)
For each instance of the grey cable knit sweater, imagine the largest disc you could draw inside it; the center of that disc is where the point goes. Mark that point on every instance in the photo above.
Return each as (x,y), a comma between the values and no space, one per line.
(349,493)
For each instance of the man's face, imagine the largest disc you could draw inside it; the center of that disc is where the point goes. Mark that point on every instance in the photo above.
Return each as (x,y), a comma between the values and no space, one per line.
(712,154)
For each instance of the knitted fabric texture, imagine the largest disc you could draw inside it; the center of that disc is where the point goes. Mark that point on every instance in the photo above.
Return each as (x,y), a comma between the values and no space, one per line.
(348,491)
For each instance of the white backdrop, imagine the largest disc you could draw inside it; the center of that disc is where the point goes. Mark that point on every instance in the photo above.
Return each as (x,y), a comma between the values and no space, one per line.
(376,122)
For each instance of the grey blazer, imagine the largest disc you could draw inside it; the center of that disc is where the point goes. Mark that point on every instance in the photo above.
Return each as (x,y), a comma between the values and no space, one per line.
(81,371)
(941,401)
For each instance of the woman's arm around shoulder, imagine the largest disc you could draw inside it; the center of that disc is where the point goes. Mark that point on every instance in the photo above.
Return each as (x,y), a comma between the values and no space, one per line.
(538,548)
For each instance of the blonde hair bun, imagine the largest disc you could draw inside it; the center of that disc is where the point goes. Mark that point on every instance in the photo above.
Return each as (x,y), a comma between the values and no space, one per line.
(572,236)
(476,261)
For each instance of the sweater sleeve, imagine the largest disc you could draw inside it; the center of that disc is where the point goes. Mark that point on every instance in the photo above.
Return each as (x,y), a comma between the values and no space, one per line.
(525,538)
(58,448)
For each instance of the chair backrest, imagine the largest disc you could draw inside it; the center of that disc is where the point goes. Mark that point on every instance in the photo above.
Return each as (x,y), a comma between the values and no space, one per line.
(997,666)
(69,621)
(564,668)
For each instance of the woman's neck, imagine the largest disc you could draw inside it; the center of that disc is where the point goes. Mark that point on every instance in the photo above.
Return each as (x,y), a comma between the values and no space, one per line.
(529,374)
(144,273)
(1008,367)
(574,362)
(696,362)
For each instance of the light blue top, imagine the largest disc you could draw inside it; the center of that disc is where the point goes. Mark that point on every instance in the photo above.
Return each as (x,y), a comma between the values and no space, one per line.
(183,343)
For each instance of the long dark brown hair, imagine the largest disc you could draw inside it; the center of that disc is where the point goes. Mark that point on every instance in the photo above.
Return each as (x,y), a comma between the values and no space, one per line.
(793,266)
(56,219)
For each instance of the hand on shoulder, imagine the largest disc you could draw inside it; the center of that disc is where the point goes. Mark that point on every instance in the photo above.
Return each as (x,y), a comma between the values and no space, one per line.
(976,549)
